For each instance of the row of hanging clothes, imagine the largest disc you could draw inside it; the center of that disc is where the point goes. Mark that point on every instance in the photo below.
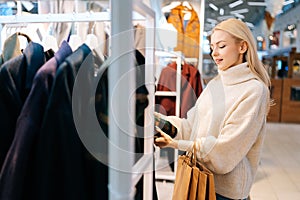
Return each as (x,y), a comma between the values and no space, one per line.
(42,155)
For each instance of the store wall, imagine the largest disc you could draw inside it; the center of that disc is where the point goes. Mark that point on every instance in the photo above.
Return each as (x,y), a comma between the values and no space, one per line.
(280,24)
(291,17)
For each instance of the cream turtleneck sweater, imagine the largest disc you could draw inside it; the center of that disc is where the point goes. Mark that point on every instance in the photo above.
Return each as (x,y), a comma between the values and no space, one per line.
(228,123)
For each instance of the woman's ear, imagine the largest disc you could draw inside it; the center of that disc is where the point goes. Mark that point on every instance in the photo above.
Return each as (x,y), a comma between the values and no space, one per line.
(243,47)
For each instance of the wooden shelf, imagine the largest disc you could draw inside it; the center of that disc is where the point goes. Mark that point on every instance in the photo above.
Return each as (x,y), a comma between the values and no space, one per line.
(290,109)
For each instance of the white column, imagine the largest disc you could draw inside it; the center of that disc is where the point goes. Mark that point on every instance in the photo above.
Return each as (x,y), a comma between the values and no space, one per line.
(121,79)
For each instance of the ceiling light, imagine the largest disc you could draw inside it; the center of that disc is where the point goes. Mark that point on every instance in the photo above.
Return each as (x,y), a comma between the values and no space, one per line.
(257,3)
(221,11)
(212,21)
(224,17)
(236,3)
(213,7)
(260,38)
(239,16)
(250,25)
(287,2)
(245,10)
(291,27)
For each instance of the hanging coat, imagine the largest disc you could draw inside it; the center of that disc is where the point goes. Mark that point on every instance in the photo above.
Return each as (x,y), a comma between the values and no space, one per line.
(191,88)
(17,171)
(16,77)
(188,31)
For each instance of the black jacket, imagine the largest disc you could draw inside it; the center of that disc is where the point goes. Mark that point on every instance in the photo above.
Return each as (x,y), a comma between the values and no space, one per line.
(17,170)
(16,77)
(62,162)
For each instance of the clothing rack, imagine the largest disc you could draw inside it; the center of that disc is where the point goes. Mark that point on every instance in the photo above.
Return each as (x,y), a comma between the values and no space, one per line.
(121,183)
(177,56)
(61,17)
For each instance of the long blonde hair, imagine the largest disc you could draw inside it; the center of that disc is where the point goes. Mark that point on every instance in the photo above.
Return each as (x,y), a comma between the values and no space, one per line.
(240,31)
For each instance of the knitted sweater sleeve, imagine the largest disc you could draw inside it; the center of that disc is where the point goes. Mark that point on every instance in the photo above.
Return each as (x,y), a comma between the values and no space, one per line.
(184,126)
(243,123)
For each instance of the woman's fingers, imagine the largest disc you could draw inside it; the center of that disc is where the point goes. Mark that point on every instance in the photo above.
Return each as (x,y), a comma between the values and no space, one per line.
(156,114)
(159,143)
(163,139)
(160,131)
(160,140)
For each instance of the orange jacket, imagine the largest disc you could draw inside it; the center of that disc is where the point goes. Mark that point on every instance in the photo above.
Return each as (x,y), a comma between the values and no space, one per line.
(188,35)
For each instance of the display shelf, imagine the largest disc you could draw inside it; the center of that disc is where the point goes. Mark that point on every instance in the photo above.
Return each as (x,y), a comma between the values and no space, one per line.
(165,93)
(176,56)
(290,110)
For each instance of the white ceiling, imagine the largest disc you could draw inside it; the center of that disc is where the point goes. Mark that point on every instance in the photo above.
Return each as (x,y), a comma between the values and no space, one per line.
(250,11)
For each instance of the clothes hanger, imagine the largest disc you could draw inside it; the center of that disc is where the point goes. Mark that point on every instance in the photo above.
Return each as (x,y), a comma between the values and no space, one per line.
(24,35)
(75,40)
(92,42)
(187,10)
(170,6)
(187,5)
(23,38)
(49,41)
(187,15)
(91,39)
(14,42)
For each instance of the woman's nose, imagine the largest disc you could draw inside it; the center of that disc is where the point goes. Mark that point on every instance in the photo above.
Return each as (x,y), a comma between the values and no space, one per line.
(214,52)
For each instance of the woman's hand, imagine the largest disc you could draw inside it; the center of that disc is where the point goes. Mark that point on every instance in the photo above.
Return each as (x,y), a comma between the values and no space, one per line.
(157,118)
(164,140)
(157,115)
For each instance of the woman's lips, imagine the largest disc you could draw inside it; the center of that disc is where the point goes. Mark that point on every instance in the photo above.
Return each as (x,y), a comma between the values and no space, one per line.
(218,61)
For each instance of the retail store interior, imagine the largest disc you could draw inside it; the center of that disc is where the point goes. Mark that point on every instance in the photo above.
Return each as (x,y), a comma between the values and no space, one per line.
(149,29)
(274,23)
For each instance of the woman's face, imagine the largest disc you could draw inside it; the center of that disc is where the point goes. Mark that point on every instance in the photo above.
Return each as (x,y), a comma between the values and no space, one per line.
(226,50)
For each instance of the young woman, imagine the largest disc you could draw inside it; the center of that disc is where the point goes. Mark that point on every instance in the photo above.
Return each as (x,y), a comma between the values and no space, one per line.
(228,122)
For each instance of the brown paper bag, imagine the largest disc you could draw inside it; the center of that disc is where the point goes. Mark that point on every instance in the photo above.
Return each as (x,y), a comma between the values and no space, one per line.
(183,175)
(193,181)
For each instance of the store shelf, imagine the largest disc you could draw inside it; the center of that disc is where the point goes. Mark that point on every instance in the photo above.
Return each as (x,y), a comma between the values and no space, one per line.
(165,93)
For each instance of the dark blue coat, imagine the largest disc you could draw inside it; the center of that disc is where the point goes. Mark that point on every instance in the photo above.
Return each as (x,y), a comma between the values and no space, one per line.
(17,170)
(16,77)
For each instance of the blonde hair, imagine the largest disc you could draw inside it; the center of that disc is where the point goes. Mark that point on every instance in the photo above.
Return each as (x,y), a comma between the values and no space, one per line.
(240,31)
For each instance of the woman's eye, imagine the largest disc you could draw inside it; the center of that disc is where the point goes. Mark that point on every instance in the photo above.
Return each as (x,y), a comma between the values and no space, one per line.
(221,47)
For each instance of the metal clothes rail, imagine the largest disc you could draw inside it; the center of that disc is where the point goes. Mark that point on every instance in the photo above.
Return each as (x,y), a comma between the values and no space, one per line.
(61,17)
(123,13)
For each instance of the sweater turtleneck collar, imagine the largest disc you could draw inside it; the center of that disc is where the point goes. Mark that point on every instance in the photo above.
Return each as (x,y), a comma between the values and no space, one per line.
(236,74)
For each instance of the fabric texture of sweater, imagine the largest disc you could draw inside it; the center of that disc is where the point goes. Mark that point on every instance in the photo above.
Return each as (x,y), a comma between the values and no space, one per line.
(228,124)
